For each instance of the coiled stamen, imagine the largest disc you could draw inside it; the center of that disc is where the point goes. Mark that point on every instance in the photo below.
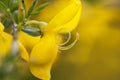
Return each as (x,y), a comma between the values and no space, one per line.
(71,45)
(68,39)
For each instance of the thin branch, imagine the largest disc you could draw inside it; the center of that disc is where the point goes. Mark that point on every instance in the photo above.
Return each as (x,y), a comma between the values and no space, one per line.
(14,49)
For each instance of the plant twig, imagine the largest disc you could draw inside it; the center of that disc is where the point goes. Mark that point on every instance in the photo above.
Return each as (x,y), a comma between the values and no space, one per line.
(14,49)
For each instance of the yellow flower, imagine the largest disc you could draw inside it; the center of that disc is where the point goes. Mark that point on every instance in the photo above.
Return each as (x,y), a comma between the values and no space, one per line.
(6,44)
(62,16)
(5,41)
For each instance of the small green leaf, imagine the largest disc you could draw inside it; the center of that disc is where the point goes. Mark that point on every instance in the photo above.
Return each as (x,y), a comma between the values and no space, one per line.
(39,8)
(15,5)
(11,4)
(3,5)
(24,6)
(35,12)
(31,8)
(42,6)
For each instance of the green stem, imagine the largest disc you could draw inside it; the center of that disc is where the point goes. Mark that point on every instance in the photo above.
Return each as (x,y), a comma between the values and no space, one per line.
(14,49)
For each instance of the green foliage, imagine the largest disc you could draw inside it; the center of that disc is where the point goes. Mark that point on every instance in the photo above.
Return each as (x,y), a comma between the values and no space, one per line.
(11,4)
(39,8)
(31,8)
(12,7)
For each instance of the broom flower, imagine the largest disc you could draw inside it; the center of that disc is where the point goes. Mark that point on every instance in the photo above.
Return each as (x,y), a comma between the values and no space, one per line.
(61,20)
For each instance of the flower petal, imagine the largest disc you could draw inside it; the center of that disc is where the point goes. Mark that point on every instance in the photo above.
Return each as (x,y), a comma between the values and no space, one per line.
(5,43)
(71,25)
(23,52)
(42,71)
(27,41)
(54,7)
(43,56)
(66,16)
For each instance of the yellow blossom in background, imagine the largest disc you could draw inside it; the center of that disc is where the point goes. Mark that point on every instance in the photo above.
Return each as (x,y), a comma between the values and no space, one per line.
(6,44)
(5,41)
(96,54)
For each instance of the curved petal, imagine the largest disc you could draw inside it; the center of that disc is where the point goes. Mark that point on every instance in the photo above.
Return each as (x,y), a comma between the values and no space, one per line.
(65,16)
(60,12)
(27,41)
(5,43)
(23,52)
(71,25)
(54,7)
(41,71)
(43,56)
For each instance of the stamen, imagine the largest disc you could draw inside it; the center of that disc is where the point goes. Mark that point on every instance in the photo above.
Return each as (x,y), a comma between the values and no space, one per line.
(69,37)
(71,45)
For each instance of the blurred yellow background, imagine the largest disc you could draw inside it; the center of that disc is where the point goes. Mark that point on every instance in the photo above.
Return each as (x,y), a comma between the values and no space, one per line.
(96,56)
